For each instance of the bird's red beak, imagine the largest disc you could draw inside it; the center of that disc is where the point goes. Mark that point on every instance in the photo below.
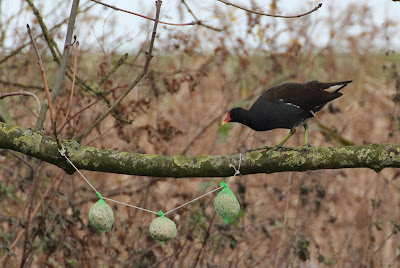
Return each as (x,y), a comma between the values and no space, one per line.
(226,120)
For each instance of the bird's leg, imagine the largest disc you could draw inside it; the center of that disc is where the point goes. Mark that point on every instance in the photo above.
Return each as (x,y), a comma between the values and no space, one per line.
(279,145)
(306,144)
(290,134)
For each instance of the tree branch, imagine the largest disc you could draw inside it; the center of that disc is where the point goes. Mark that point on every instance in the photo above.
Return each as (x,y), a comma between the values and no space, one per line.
(149,56)
(64,63)
(271,15)
(24,93)
(145,17)
(35,144)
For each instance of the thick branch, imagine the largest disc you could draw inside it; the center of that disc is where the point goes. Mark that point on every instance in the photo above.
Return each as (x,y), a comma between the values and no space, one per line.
(35,144)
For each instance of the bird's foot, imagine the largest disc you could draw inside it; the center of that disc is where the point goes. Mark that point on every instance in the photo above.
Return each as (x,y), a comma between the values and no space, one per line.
(262,148)
(307,146)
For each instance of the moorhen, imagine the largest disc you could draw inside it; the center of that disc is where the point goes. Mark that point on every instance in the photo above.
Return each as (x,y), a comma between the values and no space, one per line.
(287,106)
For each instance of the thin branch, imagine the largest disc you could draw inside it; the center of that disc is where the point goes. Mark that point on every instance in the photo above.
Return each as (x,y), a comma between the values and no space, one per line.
(35,211)
(334,135)
(55,52)
(18,49)
(113,69)
(42,73)
(73,83)
(202,131)
(25,93)
(271,15)
(142,16)
(28,217)
(87,107)
(77,113)
(46,32)
(24,86)
(207,236)
(194,16)
(134,83)
(64,62)
(46,88)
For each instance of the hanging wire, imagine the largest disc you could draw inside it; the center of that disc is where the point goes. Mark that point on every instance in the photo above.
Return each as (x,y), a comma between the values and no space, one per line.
(197,198)
(122,203)
(237,172)
(62,152)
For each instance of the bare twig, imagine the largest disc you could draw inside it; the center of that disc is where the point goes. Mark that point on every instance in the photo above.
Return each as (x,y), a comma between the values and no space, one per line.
(25,93)
(35,211)
(46,33)
(142,16)
(194,16)
(271,15)
(207,236)
(78,113)
(86,107)
(113,69)
(202,131)
(55,52)
(73,83)
(334,135)
(134,83)
(18,49)
(284,227)
(31,198)
(63,65)
(24,86)
(46,88)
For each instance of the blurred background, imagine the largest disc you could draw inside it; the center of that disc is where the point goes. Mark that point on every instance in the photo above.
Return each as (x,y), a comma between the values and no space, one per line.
(324,218)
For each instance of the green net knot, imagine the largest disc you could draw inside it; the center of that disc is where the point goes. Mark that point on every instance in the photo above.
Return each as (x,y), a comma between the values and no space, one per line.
(223,184)
(99,195)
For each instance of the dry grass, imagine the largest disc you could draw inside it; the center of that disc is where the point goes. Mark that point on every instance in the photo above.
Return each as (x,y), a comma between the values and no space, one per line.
(338,218)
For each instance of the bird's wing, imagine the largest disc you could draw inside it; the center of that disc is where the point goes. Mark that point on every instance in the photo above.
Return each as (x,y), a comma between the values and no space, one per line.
(310,96)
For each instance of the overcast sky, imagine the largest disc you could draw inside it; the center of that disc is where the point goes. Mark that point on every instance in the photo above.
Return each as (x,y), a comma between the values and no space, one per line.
(129,26)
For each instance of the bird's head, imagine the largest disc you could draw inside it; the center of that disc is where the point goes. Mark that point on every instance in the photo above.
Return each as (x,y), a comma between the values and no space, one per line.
(233,116)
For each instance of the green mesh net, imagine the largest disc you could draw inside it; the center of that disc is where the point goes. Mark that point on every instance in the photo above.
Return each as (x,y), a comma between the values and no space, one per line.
(101,215)
(226,204)
(162,229)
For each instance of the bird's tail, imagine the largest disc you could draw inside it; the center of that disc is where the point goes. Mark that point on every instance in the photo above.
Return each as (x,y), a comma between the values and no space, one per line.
(335,86)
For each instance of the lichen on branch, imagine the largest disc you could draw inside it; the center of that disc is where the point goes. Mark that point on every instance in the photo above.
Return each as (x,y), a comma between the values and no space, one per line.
(35,144)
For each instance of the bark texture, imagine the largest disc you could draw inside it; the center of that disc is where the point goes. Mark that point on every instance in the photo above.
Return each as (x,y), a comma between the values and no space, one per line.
(35,144)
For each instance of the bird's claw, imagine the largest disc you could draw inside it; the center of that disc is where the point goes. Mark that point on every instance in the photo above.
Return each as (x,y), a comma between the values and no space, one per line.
(307,146)
(261,148)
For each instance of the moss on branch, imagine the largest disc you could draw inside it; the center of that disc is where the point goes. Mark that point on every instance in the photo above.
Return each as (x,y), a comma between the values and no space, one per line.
(35,144)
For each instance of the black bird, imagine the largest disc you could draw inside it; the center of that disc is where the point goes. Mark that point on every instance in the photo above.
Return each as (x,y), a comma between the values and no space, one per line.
(287,106)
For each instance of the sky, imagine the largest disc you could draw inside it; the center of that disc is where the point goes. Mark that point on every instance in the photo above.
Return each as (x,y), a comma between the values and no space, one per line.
(130,30)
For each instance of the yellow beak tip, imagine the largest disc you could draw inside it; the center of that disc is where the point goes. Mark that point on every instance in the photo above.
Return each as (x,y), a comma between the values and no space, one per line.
(224,123)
